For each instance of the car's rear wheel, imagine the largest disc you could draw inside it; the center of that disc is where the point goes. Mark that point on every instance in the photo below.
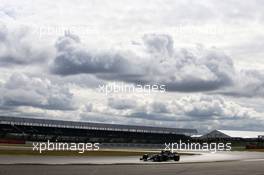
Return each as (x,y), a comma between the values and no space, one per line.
(176,158)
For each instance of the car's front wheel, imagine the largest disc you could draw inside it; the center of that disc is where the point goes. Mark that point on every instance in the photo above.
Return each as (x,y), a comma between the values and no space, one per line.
(145,157)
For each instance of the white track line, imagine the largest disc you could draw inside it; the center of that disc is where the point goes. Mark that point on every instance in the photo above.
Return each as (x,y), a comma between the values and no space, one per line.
(253,160)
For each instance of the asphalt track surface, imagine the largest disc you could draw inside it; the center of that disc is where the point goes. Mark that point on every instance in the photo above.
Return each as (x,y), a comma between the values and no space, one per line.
(252,167)
(60,160)
(222,163)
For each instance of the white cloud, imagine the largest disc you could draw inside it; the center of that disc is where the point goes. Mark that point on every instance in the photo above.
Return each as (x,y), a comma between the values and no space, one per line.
(23,90)
(136,42)
(193,107)
(179,70)
(214,107)
(121,104)
(73,58)
(18,47)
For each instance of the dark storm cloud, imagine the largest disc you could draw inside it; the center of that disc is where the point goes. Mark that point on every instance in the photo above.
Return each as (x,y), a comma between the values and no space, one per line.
(180,70)
(72,58)
(22,90)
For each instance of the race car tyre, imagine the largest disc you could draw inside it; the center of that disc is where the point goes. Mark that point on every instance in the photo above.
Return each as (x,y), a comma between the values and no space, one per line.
(145,157)
(176,158)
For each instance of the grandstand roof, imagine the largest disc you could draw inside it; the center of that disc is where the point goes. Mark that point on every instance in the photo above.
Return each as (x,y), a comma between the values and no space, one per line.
(242,134)
(93,126)
(233,134)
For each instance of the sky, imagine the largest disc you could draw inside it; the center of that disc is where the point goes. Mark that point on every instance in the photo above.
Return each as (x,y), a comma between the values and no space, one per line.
(55,56)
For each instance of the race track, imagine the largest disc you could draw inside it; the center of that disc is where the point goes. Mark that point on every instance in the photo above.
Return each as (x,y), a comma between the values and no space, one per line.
(215,168)
(59,160)
(221,163)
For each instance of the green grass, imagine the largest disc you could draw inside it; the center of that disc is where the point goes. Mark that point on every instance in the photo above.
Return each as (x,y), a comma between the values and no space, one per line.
(255,150)
(239,148)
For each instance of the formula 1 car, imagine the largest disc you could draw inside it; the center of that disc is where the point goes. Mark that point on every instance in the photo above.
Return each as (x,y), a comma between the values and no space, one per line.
(161,157)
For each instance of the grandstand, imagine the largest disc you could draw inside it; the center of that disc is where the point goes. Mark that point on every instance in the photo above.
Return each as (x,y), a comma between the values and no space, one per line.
(29,129)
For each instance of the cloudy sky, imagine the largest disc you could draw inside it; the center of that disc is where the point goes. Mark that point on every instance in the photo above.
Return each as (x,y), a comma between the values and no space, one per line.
(209,54)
